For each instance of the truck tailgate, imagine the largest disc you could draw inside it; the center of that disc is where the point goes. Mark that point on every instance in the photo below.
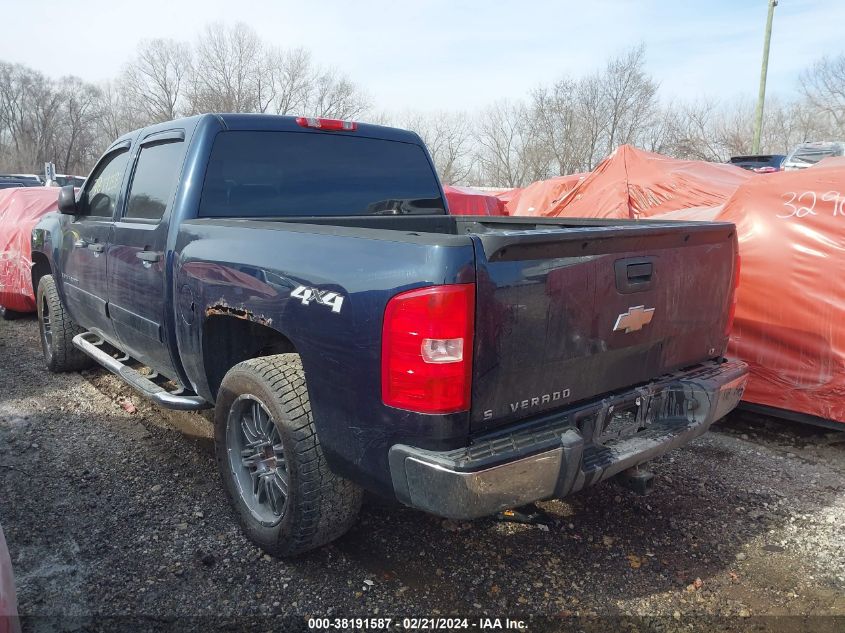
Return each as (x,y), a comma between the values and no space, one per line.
(565,314)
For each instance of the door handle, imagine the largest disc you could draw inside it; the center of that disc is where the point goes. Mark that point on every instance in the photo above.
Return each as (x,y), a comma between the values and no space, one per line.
(97,248)
(148,256)
(80,243)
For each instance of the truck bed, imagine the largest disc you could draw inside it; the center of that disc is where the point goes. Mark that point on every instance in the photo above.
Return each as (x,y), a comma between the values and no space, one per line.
(552,293)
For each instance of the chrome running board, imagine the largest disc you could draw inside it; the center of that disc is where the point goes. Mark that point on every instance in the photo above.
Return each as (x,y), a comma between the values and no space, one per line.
(181,400)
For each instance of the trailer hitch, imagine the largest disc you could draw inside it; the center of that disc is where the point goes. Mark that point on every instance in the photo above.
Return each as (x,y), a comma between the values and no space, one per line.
(637,479)
(528,514)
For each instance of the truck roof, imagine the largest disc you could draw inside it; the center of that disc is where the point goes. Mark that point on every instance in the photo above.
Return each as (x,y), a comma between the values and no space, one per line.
(274,123)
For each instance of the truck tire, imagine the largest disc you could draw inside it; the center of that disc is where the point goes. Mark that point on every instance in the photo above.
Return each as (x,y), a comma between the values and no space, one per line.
(276,477)
(57,330)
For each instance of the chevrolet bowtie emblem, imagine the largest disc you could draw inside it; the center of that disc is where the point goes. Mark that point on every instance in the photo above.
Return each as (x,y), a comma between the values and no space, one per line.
(634,319)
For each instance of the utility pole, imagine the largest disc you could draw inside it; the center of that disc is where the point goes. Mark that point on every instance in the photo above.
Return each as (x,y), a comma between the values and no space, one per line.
(758,114)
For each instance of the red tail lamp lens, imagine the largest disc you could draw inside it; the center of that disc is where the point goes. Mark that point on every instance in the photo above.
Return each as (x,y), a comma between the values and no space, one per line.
(427,349)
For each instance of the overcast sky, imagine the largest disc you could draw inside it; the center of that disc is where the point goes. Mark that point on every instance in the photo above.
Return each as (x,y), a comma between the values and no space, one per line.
(432,55)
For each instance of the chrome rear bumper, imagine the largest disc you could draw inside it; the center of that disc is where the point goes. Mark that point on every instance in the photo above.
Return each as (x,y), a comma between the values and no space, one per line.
(556,455)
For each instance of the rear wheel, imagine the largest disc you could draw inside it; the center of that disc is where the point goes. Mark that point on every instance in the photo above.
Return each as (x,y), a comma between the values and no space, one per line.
(286,498)
(57,330)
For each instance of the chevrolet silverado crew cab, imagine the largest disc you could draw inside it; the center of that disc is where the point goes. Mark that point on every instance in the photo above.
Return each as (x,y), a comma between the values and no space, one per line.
(304,278)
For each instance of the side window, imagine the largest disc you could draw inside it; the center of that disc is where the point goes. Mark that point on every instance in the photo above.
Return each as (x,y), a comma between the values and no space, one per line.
(154,182)
(99,197)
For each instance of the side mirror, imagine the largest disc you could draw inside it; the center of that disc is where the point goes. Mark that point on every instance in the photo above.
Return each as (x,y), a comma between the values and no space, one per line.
(67,200)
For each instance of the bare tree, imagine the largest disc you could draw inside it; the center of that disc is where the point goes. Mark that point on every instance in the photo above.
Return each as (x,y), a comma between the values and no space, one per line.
(733,130)
(554,113)
(117,115)
(629,97)
(823,85)
(503,142)
(234,71)
(31,108)
(692,131)
(227,70)
(291,71)
(592,120)
(449,140)
(154,81)
(788,124)
(579,122)
(77,142)
(563,127)
(659,136)
(334,95)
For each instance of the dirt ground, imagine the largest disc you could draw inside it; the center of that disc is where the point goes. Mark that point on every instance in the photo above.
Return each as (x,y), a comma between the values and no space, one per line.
(115,518)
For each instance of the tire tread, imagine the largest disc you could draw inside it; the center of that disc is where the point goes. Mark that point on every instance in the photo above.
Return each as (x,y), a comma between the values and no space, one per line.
(65,355)
(326,505)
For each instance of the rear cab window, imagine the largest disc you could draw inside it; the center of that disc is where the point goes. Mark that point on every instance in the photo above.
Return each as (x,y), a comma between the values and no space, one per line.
(278,174)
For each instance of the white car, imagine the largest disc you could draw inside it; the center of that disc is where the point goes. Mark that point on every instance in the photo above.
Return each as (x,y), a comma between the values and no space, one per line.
(808,154)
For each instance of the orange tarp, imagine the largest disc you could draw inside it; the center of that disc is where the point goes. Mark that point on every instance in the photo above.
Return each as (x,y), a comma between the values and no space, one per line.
(790,315)
(631,183)
(20,210)
(538,197)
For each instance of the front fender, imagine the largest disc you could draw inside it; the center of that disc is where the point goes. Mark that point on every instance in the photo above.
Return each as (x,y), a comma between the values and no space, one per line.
(45,245)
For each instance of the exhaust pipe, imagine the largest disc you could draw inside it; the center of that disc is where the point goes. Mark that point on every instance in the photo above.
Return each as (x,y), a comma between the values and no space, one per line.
(636,479)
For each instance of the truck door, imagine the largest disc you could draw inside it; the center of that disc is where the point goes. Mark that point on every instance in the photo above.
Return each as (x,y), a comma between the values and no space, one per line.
(85,242)
(138,252)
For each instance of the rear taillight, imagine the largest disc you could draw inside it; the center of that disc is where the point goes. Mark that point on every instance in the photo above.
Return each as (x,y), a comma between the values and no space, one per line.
(426,357)
(327,124)
(732,308)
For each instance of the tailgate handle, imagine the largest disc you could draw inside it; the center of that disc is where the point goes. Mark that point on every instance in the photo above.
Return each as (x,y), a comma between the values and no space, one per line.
(634,274)
(639,272)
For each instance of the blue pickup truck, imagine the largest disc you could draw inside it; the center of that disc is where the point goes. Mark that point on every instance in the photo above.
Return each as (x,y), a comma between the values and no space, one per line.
(304,278)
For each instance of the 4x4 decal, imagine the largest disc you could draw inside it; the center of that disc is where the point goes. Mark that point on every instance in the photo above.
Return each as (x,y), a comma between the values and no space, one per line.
(323,297)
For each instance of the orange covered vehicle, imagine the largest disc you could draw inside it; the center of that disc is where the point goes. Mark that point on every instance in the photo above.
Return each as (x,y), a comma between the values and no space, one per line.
(539,197)
(629,184)
(20,210)
(468,201)
(790,313)
(789,324)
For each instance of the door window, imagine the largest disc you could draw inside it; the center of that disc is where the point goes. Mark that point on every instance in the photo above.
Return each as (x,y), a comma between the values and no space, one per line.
(99,197)
(154,182)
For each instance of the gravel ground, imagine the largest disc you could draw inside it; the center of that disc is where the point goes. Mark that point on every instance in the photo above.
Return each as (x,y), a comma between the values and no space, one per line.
(112,508)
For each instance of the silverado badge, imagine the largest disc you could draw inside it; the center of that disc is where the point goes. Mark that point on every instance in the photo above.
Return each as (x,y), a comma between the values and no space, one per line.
(634,319)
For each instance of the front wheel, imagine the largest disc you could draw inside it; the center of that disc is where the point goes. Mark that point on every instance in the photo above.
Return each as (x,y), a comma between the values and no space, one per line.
(271,462)
(57,330)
